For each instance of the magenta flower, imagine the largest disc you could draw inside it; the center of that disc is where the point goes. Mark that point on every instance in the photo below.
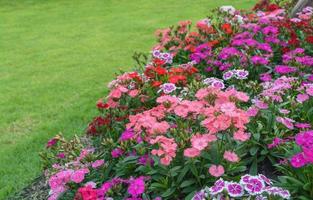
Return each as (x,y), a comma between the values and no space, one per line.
(303,125)
(117,152)
(276,142)
(136,187)
(127,135)
(51,142)
(258,60)
(284,69)
(265,77)
(298,160)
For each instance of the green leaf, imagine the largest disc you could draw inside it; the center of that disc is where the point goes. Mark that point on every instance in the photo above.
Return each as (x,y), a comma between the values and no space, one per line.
(190,196)
(254,167)
(187,183)
(254,150)
(183,173)
(168,192)
(307,187)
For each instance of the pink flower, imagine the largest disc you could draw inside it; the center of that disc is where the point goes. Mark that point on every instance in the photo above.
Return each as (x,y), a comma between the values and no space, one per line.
(229,108)
(216,170)
(199,142)
(241,136)
(309,91)
(252,111)
(79,175)
(286,121)
(133,93)
(302,98)
(167,149)
(97,163)
(91,184)
(231,156)
(191,152)
(276,142)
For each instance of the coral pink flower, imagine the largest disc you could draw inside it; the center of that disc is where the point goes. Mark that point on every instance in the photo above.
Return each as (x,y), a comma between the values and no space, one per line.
(199,142)
(229,109)
(202,93)
(216,170)
(116,94)
(241,136)
(231,156)
(133,93)
(191,152)
(167,149)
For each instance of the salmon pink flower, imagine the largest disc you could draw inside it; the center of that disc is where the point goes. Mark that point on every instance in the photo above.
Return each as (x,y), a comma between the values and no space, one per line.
(216,170)
(191,152)
(231,156)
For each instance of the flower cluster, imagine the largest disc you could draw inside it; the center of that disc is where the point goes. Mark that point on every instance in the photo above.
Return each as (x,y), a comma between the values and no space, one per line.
(259,187)
(230,96)
(305,141)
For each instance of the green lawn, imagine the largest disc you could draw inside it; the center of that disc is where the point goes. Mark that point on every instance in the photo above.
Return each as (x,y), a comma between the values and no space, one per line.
(56,59)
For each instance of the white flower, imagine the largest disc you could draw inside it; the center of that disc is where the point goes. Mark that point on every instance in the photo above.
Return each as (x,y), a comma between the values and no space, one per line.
(229,9)
(239,19)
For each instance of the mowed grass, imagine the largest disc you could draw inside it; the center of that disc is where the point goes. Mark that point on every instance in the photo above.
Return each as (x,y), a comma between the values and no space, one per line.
(56,57)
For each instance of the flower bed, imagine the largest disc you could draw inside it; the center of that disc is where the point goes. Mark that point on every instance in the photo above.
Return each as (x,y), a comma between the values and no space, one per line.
(213,112)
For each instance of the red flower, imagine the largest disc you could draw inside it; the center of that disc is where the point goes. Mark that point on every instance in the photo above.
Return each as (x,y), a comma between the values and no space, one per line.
(135,76)
(149,72)
(273,7)
(101,105)
(227,28)
(177,78)
(309,39)
(177,70)
(285,49)
(160,70)
(156,83)
(213,43)
(158,62)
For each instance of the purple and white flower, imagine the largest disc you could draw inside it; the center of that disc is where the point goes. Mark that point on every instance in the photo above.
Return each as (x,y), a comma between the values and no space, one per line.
(241,74)
(167,57)
(254,186)
(234,189)
(218,187)
(168,88)
(228,75)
